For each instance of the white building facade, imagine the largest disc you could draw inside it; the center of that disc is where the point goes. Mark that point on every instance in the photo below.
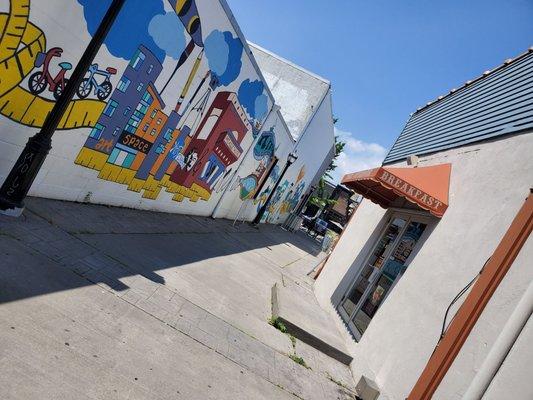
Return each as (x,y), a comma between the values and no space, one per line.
(397,266)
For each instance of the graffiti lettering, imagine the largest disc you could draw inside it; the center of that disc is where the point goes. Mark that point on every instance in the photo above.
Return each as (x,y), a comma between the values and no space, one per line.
(135,142)
(104,145)
(22,167)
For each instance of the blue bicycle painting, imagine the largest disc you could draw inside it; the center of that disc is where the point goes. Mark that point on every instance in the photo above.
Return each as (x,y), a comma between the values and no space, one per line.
(102,90)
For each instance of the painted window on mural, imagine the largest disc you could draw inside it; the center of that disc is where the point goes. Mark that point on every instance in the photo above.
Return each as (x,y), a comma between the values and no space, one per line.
(121,158)
(160,149)
(137,60)
(96,132)
(110,108)
(123,84)
(168,134)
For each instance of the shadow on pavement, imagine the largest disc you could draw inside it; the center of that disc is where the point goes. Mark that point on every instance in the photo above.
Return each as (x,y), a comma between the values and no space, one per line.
(114,246)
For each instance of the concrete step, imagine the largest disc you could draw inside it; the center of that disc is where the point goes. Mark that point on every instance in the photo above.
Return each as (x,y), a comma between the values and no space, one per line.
(297,308)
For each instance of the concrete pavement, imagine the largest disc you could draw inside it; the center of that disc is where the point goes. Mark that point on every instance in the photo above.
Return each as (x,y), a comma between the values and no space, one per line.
(109,303)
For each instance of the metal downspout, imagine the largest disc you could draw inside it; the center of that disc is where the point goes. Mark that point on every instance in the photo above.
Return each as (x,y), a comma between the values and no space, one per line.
(501,347)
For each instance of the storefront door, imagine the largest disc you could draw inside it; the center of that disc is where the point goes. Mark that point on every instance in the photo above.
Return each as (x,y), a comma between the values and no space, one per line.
(381,270)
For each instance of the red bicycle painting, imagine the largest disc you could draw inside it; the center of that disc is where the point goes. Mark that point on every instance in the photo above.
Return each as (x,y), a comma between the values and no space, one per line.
(40,80)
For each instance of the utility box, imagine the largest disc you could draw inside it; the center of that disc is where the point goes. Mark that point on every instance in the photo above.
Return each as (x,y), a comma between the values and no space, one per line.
(367,389)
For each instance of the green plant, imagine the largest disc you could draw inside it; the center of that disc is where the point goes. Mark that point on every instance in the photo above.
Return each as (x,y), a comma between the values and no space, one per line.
(298,360)
(293,341)
(276,323)
(339,148)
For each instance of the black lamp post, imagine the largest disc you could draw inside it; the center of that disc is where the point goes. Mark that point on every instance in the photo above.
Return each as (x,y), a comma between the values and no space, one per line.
(290,160)
(20,178)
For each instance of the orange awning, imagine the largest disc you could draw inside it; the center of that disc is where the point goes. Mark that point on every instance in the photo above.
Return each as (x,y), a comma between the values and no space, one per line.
(427,187)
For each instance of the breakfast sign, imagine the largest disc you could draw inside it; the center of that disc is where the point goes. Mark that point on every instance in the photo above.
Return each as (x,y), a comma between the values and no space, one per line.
(425,186)
(411,192)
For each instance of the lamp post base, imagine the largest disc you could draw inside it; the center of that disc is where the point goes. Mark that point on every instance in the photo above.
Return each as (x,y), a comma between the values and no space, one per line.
(12,211)
(20,179)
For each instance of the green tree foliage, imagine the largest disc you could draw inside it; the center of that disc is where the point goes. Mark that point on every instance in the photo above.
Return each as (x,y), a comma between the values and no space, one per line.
(320,198)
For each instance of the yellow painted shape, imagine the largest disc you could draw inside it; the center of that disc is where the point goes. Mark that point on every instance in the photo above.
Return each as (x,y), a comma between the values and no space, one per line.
(165,180)
(116,174)
(126,175)
(91,158)
(179,5)
(178,197)
(16,20)
(16,102)
(136,185)
(172,187)
(22,106)
(151,184)
(201,192)
(193,19)
(15,67)
(152,195)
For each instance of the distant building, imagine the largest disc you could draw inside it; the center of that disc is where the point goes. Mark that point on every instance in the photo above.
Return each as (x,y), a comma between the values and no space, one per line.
(338,213)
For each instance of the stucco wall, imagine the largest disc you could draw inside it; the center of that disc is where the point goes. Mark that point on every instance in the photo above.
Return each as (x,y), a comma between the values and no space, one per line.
(513,379)
(312,148)
(297,91)
(91,160)
(489,183)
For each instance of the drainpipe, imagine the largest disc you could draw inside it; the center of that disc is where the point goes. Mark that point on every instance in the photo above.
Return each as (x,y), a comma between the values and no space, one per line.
(503,344)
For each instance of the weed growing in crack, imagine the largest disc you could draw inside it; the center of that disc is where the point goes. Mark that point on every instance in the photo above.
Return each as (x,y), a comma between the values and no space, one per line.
(293,341)
(280,326)
(276,323)
(298,360)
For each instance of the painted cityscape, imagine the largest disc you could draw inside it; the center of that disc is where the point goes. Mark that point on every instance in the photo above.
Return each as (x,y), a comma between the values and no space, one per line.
(188,148)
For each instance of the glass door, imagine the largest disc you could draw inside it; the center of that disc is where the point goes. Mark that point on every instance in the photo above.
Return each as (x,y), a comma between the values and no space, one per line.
(381,271)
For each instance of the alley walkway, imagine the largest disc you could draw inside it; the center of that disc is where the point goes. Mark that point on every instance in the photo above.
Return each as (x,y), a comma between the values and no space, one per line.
(107,303)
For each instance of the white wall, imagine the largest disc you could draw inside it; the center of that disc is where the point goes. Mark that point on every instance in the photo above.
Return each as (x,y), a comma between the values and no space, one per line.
(513,379)
(489,183)
(297,91)
(312,148)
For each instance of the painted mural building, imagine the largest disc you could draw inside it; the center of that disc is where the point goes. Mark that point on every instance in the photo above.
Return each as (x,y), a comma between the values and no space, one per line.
(432,217)
(174,115)
(302,125)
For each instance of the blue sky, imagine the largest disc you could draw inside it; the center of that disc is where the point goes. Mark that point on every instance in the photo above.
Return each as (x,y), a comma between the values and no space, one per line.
(387,58)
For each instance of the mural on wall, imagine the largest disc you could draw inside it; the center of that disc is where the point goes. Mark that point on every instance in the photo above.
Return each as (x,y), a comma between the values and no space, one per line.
(263,152)
(23,56)
(286,198)
(188,148)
